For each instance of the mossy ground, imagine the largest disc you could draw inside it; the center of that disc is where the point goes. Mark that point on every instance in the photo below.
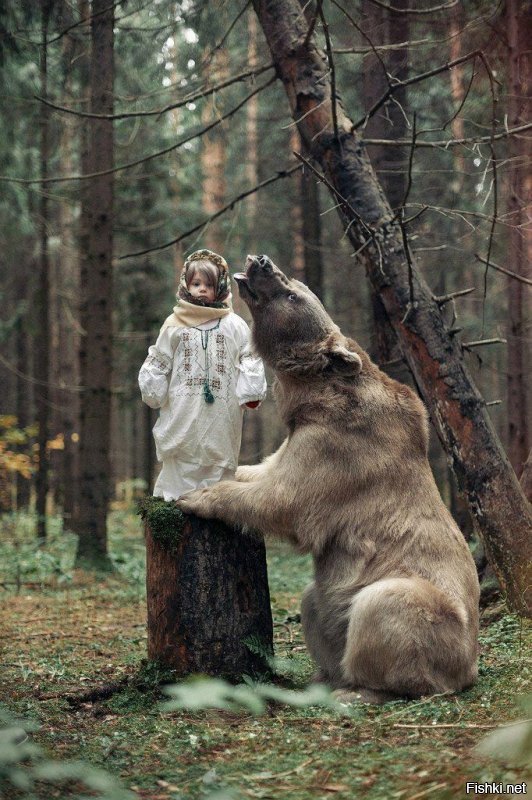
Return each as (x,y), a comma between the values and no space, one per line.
(66,631)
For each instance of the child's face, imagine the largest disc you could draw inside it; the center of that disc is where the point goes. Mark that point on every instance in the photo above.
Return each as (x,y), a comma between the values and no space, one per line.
(201,287)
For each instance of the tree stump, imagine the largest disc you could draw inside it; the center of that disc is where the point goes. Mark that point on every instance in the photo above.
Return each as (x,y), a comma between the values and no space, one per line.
(207,594)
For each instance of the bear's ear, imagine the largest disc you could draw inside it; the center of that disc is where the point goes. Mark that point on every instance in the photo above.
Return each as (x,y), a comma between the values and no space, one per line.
(342,360)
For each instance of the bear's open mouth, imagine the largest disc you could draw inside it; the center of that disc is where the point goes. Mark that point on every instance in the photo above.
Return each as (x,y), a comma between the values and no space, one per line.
(242,279)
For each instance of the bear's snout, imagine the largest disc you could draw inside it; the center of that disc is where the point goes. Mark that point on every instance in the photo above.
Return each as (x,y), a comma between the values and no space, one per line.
(262,262)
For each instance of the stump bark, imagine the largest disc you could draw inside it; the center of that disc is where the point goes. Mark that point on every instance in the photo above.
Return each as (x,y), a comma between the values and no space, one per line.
(208,600)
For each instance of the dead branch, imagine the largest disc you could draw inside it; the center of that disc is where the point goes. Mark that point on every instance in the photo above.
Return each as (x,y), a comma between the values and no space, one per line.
(432,10)
(446,298)
(226,35)
(331,69)
(409,82)
(313,21)
(482,343)
(451,142)
(242,196)
(97,693)
(157,112)
(165,151)
(505,271)
(373,48)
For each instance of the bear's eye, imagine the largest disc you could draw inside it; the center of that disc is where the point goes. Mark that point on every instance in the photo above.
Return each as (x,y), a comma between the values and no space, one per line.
(292,296)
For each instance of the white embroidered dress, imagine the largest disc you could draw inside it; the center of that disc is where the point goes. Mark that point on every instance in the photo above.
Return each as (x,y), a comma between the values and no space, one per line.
(199,442)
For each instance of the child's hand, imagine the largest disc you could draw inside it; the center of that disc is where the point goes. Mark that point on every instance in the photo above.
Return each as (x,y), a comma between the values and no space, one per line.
(252,404)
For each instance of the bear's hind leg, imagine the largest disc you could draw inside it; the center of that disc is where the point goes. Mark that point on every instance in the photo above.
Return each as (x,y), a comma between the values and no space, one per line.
(406,638)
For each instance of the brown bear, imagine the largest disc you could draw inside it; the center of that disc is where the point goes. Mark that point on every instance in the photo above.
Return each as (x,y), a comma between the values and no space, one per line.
(393,609)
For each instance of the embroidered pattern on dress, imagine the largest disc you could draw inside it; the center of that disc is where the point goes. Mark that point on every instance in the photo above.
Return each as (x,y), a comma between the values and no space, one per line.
(220,354)
(159,362)
(190,372)
(187,352)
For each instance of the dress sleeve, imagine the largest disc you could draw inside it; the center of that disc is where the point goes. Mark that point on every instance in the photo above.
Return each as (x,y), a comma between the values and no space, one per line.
(154,375)
(251,381)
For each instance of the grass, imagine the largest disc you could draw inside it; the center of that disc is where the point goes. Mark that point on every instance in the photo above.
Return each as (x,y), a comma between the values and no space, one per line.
(65,631)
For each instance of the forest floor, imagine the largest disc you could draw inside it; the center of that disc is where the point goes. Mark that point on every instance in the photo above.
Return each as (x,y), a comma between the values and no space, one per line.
(65,632)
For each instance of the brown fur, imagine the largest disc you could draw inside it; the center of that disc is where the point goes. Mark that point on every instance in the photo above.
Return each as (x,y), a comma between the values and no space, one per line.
(393,609)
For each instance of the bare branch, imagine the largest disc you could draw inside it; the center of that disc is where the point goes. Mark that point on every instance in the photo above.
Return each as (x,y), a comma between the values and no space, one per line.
(482,343)
(409,82)
(432,10)
(493,161)
(62,179)
(157,112)
(442,299)
(505,271)
(282,174)
(452,142)
(373,48)
(336,193)
(226,34)
(312,25)
(334,109)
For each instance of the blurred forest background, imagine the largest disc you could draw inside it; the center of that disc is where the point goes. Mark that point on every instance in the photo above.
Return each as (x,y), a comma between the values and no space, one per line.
(174,110)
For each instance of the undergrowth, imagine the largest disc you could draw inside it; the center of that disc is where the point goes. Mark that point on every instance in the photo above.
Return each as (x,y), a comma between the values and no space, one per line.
(68,634)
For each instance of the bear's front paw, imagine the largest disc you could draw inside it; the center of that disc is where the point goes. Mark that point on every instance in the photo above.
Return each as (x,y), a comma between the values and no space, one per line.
(245,474)
(198,502)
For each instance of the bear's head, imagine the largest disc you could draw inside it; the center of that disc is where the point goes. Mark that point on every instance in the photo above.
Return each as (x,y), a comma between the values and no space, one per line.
(292,331)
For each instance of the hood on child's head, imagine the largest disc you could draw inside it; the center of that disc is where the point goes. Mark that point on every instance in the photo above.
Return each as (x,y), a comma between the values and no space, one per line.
(202,260)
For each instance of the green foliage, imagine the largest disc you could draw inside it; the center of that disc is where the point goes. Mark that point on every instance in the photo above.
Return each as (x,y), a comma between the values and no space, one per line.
(510,743)
(23,765)
(164,518)
(204,693)
(23,561)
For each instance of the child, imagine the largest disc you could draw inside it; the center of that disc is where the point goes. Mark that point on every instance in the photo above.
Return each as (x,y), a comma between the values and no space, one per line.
(200,373)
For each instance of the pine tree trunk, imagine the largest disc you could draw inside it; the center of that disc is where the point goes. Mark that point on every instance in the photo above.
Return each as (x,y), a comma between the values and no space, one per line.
(97,304)
(82,235)
(23,386)
(208,600)
(43,296)
(252,449)
(297,266)
(213,154)
(519,28)
(385,27)
(66,306)
(435,358)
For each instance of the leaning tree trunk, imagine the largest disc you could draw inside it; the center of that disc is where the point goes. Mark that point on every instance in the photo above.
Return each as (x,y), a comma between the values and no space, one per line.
(435,358)
(207,594)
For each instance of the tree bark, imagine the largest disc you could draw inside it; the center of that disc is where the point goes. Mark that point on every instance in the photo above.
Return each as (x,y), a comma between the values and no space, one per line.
(435,358)
(42,365)
(23,386)
(213,155)
(519,30)
(383,26)
(97,304)
(207,595)
(66,307)
(526,478)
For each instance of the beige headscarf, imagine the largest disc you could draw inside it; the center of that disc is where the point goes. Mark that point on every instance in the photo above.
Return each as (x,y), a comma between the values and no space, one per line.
(189,311)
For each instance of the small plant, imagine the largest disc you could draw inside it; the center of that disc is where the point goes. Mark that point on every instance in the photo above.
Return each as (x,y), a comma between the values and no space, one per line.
(204,693)
(23,764)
